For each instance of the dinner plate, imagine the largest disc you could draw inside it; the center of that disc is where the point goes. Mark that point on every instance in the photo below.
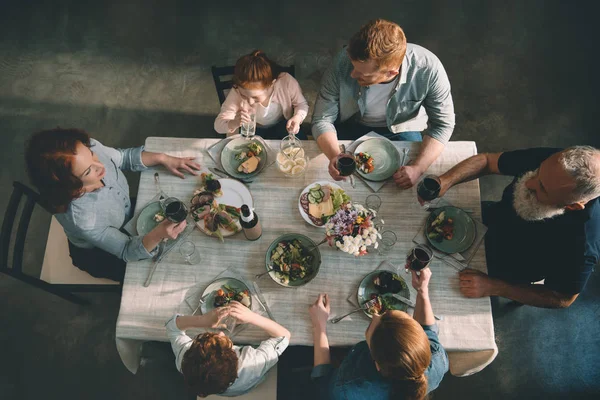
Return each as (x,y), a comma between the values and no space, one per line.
(145,220)
(367,288)
(306,243)
(235,194)
(464,230)
(305,190)
(209,293)
(386,159)
(234,147)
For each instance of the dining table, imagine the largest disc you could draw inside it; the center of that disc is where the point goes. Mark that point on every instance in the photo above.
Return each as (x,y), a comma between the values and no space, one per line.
(466,329)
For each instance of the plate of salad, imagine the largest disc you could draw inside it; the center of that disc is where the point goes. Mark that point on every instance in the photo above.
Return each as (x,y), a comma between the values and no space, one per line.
(223,291)
(293,260)
(378,284)
(243,158)
(450,229)
(319,201)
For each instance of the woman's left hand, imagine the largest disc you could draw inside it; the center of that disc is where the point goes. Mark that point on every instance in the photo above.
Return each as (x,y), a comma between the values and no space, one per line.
(175,164)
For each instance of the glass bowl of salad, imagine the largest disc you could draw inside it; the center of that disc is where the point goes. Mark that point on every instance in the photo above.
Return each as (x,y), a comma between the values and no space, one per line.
(293,259)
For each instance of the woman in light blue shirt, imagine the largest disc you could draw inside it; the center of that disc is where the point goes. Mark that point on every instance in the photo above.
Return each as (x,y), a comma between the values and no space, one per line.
(82,183)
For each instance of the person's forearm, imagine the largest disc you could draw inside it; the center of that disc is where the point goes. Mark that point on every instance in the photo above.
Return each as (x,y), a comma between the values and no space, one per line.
(270,326)
(184,322)
(428,153)
(423,312)
(150,159)
(151,240)
(328,143)
(472,168)
(533,295)
(321,347)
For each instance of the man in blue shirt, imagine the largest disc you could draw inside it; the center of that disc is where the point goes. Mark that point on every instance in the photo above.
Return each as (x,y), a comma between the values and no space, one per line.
(546,227)
(380,83)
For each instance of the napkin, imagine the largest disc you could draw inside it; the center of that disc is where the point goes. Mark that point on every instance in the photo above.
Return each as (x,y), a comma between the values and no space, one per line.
(375,186)
(195,307)
(215,150)
(461,260)
(384,265)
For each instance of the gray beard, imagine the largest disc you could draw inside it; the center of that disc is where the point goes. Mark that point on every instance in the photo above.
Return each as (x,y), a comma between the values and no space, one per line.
(527,205)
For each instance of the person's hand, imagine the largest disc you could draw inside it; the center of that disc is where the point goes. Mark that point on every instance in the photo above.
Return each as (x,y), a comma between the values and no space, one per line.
(240,312)
(293,125)
(174,164)
(319,312)
(335,174)
(241,117)
(212,318)
(170,230)
(421,281)
(407,176)
(475,284)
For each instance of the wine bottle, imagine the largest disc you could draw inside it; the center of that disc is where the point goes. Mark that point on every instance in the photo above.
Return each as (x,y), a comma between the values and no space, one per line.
(250,224)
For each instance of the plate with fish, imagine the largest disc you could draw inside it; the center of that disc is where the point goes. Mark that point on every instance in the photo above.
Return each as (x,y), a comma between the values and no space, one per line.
(243,158)
(223,291)
(376,159)
(376,285)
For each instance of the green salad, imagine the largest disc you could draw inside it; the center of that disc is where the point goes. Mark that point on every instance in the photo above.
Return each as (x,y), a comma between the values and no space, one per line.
(291,261)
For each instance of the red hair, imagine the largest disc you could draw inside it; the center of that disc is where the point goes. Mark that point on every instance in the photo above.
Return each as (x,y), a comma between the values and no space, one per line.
(255,67)
(210,364)
(401,349)
(379,40)
(49,156)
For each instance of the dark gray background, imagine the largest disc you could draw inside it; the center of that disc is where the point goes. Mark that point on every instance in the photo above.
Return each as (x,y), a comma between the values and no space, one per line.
(523,73)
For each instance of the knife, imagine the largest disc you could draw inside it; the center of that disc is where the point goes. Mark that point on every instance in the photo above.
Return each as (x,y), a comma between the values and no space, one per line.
(409,303)
(263,301)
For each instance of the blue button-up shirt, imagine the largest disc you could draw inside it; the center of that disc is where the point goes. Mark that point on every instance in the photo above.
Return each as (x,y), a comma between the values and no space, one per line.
(358,379)
(422,94)
(95,219)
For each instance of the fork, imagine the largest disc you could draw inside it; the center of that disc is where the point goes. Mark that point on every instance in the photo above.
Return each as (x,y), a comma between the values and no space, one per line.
(365,306)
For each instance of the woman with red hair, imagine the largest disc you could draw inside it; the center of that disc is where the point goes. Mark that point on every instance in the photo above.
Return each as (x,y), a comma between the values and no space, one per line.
(402,357)
(261,88)
(81,182)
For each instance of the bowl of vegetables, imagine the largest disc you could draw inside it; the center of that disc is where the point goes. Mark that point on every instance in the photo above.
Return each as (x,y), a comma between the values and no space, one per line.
(293,260)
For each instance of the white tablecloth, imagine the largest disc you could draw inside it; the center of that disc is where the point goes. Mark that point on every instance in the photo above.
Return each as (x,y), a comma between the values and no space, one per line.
(467,330)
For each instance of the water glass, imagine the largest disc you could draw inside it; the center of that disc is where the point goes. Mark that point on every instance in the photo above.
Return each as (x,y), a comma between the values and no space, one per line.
(188,250)
(373,202)
(387,242)
(248,129)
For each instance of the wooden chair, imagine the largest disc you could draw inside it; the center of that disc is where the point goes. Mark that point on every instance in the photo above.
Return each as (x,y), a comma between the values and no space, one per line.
(58,275)
(223,79)
(267,390)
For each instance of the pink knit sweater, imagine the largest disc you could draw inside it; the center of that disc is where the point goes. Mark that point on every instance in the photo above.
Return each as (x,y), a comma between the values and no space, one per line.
(286,92)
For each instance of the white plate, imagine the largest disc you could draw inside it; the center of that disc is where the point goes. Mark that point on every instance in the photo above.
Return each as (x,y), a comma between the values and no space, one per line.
(306,189)
(235,194)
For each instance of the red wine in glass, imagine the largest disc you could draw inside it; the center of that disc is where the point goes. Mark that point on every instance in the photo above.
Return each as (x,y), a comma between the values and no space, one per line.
(429,188)
(419,258)
(176,211)
(346,164)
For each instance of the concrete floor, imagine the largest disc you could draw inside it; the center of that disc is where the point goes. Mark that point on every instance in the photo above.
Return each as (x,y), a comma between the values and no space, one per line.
(523,74)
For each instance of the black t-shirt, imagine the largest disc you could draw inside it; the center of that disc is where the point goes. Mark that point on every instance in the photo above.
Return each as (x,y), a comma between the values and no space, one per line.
(562,250)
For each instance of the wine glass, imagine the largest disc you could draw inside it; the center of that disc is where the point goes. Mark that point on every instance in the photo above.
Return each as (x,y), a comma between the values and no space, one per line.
(175,210)
(429,189)
(418,258)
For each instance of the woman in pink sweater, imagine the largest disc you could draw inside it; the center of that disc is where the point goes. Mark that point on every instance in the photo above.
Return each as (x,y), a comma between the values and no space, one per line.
(259,87)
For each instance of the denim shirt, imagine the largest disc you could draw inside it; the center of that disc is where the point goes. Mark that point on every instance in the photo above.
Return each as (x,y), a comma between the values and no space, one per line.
(95,219)
(358,379)
(422,94)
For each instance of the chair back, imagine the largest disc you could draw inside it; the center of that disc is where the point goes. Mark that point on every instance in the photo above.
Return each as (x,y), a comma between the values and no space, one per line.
(20,191)
(223,78)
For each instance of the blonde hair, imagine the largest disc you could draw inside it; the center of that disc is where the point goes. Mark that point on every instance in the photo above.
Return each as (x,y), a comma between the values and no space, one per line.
(379,40)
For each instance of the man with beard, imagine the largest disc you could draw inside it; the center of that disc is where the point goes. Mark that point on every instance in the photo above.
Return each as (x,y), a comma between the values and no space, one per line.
(546,227)
(382,83)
